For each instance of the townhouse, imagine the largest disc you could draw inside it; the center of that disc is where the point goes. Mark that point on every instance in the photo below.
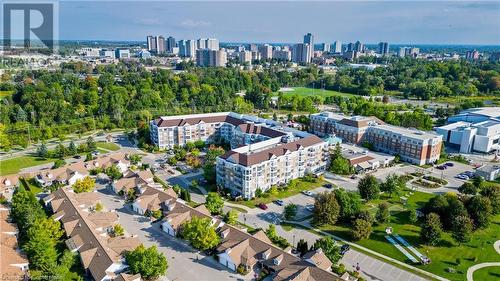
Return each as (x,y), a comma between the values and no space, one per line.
(413,146)
(88,234)
(153,199)
(8,184)
(13,262)
(264,152)
(133,180)
(252,252)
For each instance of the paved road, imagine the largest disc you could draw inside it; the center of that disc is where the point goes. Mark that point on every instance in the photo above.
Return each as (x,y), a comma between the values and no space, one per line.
(470,271)
(182,262)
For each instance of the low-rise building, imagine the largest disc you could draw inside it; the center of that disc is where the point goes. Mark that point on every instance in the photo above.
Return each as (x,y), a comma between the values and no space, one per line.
(88,234)
(132,180)
(413,146)
(13,262)
(153,199)
(489,172)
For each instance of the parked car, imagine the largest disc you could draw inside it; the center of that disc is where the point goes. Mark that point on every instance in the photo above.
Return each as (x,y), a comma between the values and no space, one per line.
(344,249)
(77,157)
(328,185)
(95,153)
(310,208)
(263,206)
(279,202)
(469,174)
(307,192)
(449,164)
(462,177)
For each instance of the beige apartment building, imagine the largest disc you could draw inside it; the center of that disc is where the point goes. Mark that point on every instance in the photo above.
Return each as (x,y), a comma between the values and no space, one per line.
(413,146)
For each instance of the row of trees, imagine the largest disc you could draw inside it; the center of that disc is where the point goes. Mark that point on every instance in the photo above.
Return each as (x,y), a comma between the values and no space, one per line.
(41,238)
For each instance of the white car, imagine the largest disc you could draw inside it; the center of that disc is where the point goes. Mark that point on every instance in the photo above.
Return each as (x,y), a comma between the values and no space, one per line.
(310,208)
(307,192)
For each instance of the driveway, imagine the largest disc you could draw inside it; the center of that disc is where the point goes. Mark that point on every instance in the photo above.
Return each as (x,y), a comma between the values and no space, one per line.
(182,259)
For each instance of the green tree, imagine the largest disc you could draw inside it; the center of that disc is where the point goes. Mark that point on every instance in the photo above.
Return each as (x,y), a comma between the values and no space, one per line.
(468,188)
(91,145)
(200,233)
(72,150)
(413,216)
(118,230)
(361,229)
(383,214)
(392,184)
(302,247)
(98,207)
(113,172)
(326,209)
(478,181)
(214,203)
(350,203)
(42,151)
(431,229)
(86,184)
(480,211)
(492,192)
(462,229)
(58,163)
(368,187)
(290,211)
(60,151)
(135,158)
(330,249)
(209,172)
(148,262)
(231,217)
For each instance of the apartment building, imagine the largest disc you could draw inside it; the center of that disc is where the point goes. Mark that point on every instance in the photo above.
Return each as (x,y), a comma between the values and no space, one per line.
(265,153)
(411,145)
(272,162)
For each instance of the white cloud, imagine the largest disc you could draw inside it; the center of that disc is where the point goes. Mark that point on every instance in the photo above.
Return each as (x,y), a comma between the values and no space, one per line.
(189,23)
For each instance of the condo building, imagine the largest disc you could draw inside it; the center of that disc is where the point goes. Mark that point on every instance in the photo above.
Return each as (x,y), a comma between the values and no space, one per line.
(411,145)
(264,152)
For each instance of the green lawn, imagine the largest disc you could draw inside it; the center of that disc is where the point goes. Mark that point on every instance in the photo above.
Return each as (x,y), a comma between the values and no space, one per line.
(268,198)
(448,254)
(31,187)
(4,94)
(487,273)
(13,165)
(303,91)
(108,146)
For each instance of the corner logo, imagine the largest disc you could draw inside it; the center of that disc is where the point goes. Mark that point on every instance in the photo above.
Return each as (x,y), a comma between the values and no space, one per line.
(30,25)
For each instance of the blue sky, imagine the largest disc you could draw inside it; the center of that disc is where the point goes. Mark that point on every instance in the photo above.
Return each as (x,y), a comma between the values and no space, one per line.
(425,22)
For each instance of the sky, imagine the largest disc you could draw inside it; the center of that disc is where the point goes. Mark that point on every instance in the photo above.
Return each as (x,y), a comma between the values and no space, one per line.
(417,22)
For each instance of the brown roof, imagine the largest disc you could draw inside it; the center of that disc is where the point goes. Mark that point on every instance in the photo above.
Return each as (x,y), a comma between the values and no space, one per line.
(160,122)
(103,219)
(8,181)
(246,159)
(319,259)
(127,277)
(11,259)
(251,128)
(362,159)
(152,198)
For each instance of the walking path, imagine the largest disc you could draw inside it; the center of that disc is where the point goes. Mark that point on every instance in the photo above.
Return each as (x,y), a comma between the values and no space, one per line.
(470,271)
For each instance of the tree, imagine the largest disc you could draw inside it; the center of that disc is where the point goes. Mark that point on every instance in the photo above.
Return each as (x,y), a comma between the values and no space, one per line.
(60,151)
(330,249)
(431,229)
(148,262)
(72,150)
(392,185)
(478,181)
(88,157)
(135,158)
(492,192)
(200,233)
(290,211)
(42,151)
(383,214)
(98,207)
(302,247)
(209,172)
(326,209)
(413,216)
(350,203)
(368,187)
(339,164)
(118,230)
(58,163)
(468,188)
(461,229)
(479,208)
(91,145)
(361,229)
(214,203)
(185,195)
(86,184)
(231,217)
(258,192)
(113,172)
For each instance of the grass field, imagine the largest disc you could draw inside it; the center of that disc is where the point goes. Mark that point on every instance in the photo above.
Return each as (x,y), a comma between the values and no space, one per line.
(303,91)
(448,254)
(12,166)
(268,198)
(487,273)
(108,146)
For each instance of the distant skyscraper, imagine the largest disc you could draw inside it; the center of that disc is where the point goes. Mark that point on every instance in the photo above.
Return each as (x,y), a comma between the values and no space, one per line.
(302,53)
(325,47)
(309,39)
(207,57)
(284,54)
(160,44)
(122,53)
(245,56)
(350,47)
(253,48)
(472,55)
(358,46)
(383,48)
(408,52)
(191,48)
(201,43)
(151,42)
(171,44)
(337,47)
(266,52)
(212,44)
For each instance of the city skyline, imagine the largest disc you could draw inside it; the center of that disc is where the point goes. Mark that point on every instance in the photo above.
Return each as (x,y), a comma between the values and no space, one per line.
(398,23)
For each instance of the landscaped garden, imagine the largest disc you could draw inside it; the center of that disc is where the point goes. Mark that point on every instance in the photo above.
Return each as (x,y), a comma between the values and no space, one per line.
(107,146)
(14,165)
